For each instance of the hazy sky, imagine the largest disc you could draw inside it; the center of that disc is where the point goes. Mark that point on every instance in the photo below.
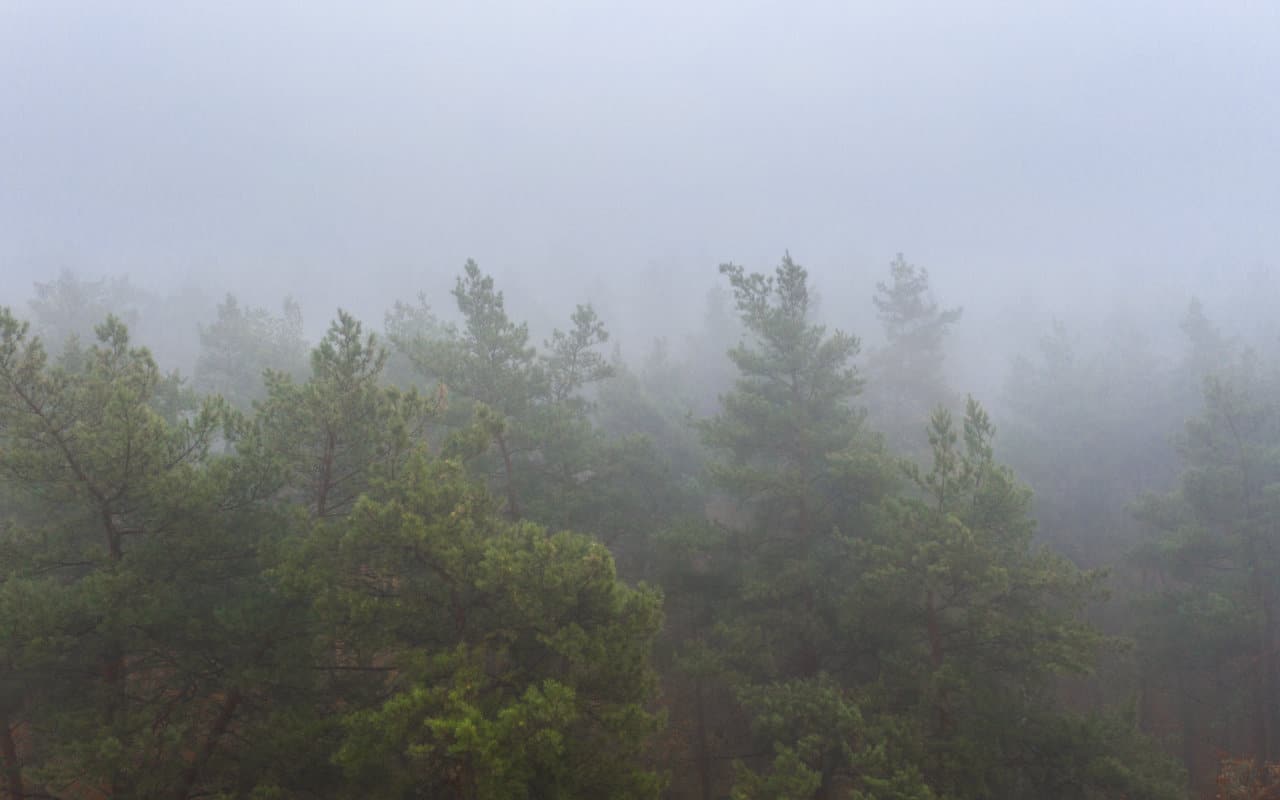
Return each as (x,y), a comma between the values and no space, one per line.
(350,152)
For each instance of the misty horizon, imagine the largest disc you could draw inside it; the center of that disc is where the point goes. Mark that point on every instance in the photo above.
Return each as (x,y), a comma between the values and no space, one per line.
(1017,153)
(658,401)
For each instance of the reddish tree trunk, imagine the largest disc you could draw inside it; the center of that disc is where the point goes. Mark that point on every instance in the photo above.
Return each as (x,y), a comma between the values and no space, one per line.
(192,773)
(513,506)
(936,656)
(9,754)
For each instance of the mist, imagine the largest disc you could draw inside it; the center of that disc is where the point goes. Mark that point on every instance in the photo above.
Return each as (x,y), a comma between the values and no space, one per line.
(1075,203)
(324,152)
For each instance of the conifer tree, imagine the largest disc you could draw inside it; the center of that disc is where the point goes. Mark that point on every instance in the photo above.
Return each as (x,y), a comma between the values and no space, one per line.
(181,622)
(970,620)
(71,307)
(528,407)
(1211,630)
(407,327)
(791,452)
(512,663)
(131,609)
(242,344)
(907,379)
(329,438)
(790,412)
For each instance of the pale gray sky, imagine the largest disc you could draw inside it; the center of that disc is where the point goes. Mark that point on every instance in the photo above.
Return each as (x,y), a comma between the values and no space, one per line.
(350,152)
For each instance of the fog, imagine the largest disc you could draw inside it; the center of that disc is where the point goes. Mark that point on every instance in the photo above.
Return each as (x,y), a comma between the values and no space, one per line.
(1072,176)
(1067,153)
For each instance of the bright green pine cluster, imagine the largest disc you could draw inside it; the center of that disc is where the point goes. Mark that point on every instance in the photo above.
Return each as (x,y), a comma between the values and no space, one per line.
(301,603)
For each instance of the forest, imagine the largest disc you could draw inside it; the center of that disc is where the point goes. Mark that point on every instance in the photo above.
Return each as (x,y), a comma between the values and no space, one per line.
(439,555)
(668,400)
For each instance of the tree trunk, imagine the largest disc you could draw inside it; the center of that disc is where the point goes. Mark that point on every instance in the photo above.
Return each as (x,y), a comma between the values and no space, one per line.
(326,476)
(192,773)
(703,754)
(936,655)
(513,505)
(1264,672)
(826,788)
(1269,688)
(1190,721)
(9,755)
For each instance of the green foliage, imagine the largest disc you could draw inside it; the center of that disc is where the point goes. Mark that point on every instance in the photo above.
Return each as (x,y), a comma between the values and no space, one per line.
(835,750)
(572,361)
(133,608)
(907,378)
(332,585)
(656,400)
(529,433)
(763,593)
(881,644)
(533,414)
(325,441)
(242,344)
(180,621)
(518,663)
(1209,633)
(69,307)
(1097,757)
(408,326)
(789,414)
(972,622)
(1089,430)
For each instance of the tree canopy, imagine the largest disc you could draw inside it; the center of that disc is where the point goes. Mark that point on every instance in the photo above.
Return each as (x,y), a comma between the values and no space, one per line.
(455,562)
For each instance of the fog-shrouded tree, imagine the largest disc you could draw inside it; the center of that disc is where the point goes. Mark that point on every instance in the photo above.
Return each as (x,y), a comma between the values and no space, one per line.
(1209,626)
(972,623)
(790,412)
(511,663)
(71,306)
(407,327)
(1207,351)
(791,457)
(464,561)
(705,364)
(132,611)
(179,620)
(492,372)
(523,413)
(877,638)
(947,631)
(242,344)
(654,399)
(524,419)
(906,376)
(1087,460)
(329,438)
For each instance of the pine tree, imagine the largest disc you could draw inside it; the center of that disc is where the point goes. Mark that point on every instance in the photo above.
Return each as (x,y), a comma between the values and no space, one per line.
(527,407)
(408,327)
(970,621)
(906,376)
(132,609)
(69,307)
(324,612)
(327,440)
(1211,632)
(242,344)
(792,454)
(790,413)
(1087,460)
(512,662)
